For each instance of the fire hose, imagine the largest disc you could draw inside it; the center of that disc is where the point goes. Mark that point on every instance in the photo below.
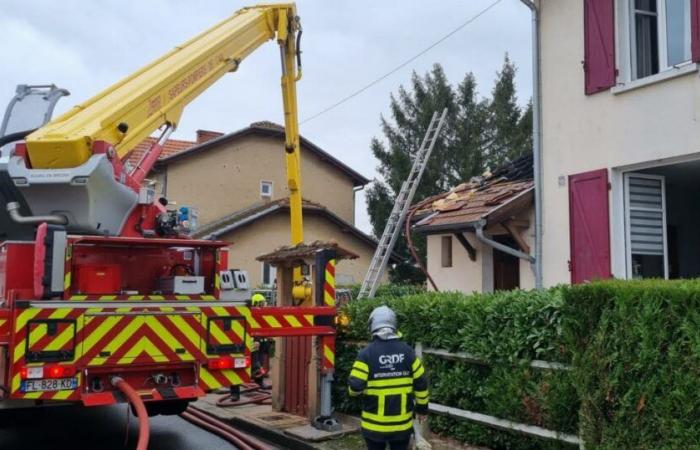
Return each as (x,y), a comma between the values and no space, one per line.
(139,407)
(241,440)
(263,398)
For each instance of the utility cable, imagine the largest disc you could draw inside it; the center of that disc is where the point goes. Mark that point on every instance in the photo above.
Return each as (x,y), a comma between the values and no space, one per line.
(403,64)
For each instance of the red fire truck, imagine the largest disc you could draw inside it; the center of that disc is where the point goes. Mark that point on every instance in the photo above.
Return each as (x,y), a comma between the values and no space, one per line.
(100,285)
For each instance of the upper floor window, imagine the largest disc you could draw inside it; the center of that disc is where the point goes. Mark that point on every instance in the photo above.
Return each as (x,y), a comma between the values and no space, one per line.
(659,35)
(266,189)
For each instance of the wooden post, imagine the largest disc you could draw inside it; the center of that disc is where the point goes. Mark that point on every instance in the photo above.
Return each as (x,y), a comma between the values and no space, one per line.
(284,298)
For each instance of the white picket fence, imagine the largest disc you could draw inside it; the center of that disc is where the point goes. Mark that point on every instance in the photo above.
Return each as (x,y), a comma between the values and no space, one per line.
(492,421)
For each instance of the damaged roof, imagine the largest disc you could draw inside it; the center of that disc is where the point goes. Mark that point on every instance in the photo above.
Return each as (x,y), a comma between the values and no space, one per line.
(290,253)
(492,199)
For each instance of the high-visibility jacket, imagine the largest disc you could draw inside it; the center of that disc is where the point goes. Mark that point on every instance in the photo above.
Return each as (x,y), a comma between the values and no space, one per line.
(394,385)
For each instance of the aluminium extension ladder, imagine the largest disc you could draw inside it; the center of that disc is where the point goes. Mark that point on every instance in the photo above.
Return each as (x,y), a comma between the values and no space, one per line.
(400,209)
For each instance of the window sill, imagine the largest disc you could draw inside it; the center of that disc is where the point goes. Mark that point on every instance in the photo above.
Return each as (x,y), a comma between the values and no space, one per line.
(657,78)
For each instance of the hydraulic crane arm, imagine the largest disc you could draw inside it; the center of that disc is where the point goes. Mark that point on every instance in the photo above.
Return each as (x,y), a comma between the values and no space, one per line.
(122,116)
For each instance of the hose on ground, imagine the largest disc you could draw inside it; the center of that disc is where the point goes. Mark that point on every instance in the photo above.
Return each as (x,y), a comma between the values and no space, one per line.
(139,407)
(263,398)
(222,429)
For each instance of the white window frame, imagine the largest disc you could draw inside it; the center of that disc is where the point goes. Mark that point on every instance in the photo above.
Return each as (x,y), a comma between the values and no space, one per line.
(262,191)
(626,48)
(273,275)
(628,228)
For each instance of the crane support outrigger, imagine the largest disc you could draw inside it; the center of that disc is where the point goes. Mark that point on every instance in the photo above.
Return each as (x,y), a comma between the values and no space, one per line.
(97,293)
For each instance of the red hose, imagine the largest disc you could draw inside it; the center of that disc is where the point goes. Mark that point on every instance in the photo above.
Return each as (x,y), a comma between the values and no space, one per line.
(139,407)
(234,436)
(263,398)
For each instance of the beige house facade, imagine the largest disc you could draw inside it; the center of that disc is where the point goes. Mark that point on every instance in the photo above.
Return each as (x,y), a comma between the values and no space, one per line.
(621,141)
(237,184)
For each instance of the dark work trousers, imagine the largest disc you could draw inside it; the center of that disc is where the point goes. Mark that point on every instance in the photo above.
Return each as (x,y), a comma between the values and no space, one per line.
(393,445)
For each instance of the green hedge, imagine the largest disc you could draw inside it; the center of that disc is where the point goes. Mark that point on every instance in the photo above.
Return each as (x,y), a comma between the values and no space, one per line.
(634,346)
(509,327)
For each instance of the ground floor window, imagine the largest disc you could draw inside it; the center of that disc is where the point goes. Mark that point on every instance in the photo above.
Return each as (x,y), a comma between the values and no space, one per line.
(662,221)
(269,273)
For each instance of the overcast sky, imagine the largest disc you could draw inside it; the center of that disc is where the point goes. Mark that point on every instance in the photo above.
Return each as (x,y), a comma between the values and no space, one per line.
(86,45)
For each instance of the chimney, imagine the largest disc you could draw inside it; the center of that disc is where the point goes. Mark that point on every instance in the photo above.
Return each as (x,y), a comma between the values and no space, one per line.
(207,135)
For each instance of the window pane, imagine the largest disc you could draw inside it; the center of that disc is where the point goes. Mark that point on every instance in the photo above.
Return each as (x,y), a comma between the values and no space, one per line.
(645,5)
(678,31)
(446,251)
(647,48)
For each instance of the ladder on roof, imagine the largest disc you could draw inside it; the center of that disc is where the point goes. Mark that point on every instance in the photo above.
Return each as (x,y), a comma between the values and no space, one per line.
(392,230)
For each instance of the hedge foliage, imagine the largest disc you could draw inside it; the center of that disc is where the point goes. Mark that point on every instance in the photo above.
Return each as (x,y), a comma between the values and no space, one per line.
(634,346)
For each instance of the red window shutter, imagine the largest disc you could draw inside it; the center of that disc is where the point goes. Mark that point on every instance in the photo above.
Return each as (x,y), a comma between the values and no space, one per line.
(599,44)
(695,29)
(589,224)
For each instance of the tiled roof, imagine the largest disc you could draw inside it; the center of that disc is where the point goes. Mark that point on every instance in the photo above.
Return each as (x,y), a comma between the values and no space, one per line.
(494,198)
(289,253)
(171,147)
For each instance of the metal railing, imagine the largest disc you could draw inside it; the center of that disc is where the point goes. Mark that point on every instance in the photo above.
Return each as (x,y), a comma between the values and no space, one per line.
(492,421)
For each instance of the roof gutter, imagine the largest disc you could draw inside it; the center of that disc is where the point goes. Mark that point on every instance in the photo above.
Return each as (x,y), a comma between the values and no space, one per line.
(536,138)
(498,246)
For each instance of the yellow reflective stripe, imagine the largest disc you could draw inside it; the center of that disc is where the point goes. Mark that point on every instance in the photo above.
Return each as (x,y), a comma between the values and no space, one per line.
(328,353)
(387,428)
(292,320)
(354,393)
(416,364)
(390,382)
(360,365)
(272,321)
(358,374)
(381,403)
(421,394)
(422,402)
(418,373)
(382,418)
(66,281)
(389,391)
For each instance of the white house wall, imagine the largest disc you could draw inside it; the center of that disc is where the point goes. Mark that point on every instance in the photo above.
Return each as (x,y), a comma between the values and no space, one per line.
(605,130)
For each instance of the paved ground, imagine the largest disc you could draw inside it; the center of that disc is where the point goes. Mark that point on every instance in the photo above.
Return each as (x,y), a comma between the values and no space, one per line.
(97,428)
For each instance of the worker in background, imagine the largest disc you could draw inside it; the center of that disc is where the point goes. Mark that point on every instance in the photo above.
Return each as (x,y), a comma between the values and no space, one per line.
(393,382)
(257,299)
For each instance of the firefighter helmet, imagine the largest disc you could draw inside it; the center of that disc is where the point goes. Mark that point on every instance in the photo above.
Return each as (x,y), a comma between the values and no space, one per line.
(382,317)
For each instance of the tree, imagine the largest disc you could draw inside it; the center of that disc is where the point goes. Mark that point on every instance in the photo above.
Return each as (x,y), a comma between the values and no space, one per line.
(478,134)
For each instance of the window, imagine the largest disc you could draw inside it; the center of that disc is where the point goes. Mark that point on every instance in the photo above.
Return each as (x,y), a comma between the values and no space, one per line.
(266,188)
(269,274)
(645,218)
(659,35)
(446,253)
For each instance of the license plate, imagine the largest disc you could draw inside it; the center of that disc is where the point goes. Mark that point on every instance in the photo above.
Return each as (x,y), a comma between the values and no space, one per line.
(48,385)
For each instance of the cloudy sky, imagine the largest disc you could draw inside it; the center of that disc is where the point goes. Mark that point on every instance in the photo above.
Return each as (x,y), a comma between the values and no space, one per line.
(86,45)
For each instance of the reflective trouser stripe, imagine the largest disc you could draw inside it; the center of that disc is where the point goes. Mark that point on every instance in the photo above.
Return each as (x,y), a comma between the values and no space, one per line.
(359,374)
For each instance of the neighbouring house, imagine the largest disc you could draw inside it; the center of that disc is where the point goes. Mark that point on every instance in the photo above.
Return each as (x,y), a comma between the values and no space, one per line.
(237,182)
(621,139)
(466,226)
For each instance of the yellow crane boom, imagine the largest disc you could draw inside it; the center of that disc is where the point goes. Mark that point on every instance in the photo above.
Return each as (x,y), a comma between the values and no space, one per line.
(126,113)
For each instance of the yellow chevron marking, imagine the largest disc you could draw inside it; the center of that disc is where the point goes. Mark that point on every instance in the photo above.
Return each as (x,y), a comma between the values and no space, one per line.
(328,299)
(235,324)
(208,379)
(245,312)
(79,297)
(24,317)
(217,283)
(309,318)
(219,335)
(61,339)
(66,281)
(38,332)
(119,340)
(182,297)
(32,395)
(208,297)
(2,322)
(108,297)
(158,328)
(144,345)
(272,321)
(292,321)
(97,334)
(15,383)
(156,297)
(328,353)
(232,376)
(186,329)
(136,297)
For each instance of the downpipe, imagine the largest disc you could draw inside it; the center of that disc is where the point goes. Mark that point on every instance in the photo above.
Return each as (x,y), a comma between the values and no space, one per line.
(13,210)
(139,407)
(537,138)
(498,246)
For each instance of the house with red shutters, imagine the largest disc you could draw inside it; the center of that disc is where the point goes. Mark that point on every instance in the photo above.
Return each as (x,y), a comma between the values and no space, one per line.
(620,159)
(620,93)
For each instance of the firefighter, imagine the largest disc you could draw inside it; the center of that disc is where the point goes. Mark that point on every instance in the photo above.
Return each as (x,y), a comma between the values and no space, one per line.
(393,384)
(257,299)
